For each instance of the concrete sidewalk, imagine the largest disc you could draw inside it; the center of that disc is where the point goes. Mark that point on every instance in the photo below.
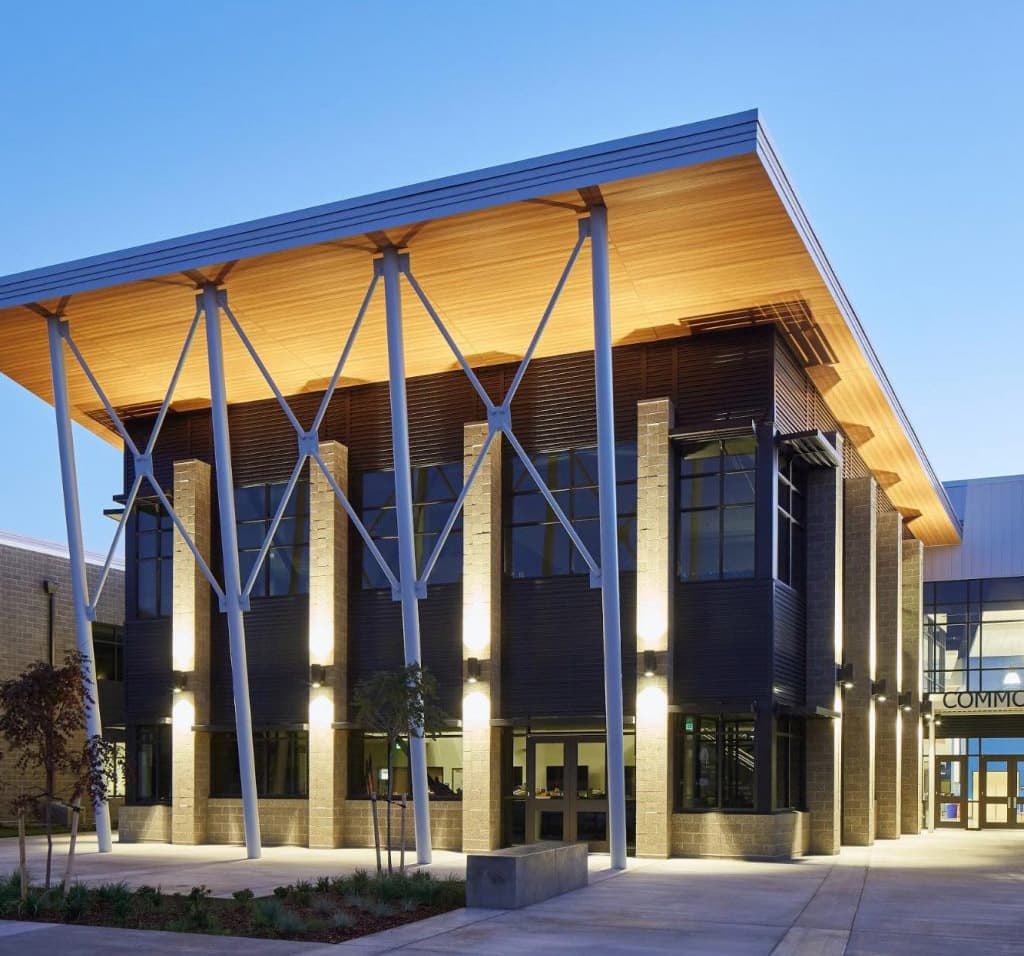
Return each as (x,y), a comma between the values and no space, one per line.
(952,891)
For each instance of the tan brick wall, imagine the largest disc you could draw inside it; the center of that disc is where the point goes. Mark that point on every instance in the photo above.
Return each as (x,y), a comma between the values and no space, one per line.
(282,822)
(859,649)
(481,638)
(653,750)
(445,824)
(190,652)
(328,645)
(888,723)
(913,597)
(144,824)
(775,836)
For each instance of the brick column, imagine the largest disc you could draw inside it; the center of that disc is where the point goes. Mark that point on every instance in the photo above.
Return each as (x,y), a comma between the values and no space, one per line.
(824,652)
(653,603)
(481,642)
(328,647)
(913,598)
(889,667)
(859,620)
(190,653)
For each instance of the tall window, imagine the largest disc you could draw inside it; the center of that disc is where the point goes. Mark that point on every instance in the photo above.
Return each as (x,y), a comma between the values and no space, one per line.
(789,763)
(286,568)
(154,558)
(152,771)
(536,544)
(281,759)
(792,559)
(434,490)
(108,649)
(716,762)
(715,498)
(974,635)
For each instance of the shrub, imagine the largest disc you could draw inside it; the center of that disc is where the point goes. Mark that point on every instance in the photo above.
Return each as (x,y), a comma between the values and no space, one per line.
(281,891)
(359,882)
(323,906)
(113,893)
(245,897)
(288,922)
(10,888)
(265,912)
(301,892)
(151,895)
(323,884)
(76,902)
(342,920)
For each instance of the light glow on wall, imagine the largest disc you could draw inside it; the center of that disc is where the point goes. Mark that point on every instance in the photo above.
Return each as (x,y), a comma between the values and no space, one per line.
(651,705)
(652,619)
(183,642)
(476,623)
(476,708)
(321,709)
(183,714)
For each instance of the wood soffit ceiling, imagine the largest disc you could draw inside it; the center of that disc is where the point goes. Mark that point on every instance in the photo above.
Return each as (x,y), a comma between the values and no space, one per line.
(696,248)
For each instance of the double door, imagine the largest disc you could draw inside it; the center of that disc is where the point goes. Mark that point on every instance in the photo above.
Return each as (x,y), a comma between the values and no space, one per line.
(566,790)
(1002,792)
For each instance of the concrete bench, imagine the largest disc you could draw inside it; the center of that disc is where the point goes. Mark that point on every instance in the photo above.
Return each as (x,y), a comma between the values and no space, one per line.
(520,875)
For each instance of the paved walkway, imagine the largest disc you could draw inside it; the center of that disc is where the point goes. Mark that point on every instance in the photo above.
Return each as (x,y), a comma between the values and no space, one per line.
(953,891)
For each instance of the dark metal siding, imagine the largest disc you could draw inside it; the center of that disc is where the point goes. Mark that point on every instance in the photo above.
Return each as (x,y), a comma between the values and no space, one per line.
(552,659)
(790,630)
(723,642)
(147,670)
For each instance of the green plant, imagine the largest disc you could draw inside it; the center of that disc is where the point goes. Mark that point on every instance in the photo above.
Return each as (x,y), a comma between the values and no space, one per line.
(198,894)
(323,884)
(287,922)
(359,882)
(10,887)
(266,911)
(76,902)
(380,909)
(323,906)
(114,893)
(342,920)
(281,891)
(243,898)
(152,895)
(356,902)
(301,892)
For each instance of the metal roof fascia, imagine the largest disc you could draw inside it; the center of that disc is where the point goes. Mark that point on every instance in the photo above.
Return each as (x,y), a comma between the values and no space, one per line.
(769,158)
(527,179)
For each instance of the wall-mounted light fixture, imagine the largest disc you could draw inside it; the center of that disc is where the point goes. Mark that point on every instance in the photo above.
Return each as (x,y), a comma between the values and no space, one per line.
(879,691)
(650,663)
(317,675)
(927,710)
(179,681)
(472,670)
(844,675)
(1011,679)
(905,701)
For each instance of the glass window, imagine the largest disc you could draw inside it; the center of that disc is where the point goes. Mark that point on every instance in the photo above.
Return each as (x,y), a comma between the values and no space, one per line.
(286,568)
(368,766)
(789,764)
(715,762)
(434,491)
(281,760)
(116,778)
(108,650)
(536,544)
(154,560)
(974,635)
(152,759)
(715,499)
(792,559)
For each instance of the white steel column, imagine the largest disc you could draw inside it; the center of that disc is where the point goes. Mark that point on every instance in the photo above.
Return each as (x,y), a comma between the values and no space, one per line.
(609,534)
(931,773)
(232,576)
(391,269)
(76,552)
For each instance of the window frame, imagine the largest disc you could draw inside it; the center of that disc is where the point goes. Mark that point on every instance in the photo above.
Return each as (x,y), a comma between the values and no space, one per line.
(154,561)
(570,496)
(297,753)
(791,522)
(162,764)
(720,508)
(297,512)
(681,752)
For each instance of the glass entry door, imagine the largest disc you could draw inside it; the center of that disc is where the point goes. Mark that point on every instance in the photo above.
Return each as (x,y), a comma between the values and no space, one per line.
(951,792)
(1002,792)
(566,794)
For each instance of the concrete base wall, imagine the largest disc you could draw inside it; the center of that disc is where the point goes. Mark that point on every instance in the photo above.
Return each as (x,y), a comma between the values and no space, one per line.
(282,822)
(144,824)
(445,824)
(774,836)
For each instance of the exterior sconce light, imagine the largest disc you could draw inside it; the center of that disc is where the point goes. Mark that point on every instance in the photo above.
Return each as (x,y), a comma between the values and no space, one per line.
(927,712)
(317,675)
(904,701)
(179,681)
(878,691)
(844,675)
(472,670)
(650,663)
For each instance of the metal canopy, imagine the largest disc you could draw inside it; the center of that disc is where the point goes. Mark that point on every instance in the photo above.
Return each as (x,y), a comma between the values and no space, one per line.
(813,447)
(702,222)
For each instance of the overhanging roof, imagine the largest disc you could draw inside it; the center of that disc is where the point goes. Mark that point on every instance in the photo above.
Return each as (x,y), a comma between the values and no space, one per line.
(702,223)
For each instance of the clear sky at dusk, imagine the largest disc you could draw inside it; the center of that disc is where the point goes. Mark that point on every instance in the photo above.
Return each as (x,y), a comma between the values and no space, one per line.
(899,124)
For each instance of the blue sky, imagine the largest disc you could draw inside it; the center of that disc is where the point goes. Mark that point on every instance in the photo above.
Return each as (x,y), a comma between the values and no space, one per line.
(898,123)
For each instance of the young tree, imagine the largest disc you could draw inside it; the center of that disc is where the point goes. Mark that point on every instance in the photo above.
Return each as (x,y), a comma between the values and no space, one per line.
(42,718)
(396,703)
